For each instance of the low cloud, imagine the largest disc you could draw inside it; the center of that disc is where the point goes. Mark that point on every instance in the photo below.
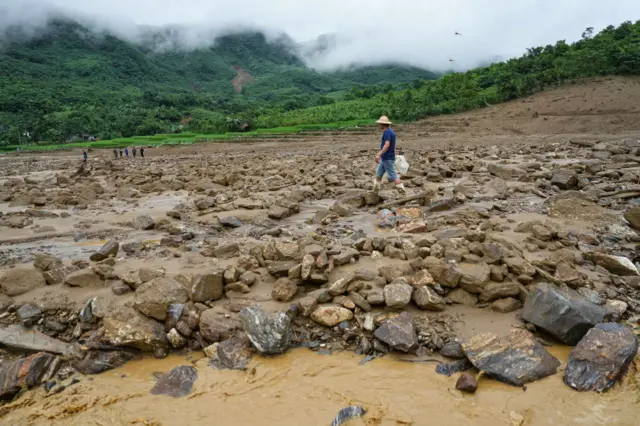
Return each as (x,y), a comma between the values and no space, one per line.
(368,32)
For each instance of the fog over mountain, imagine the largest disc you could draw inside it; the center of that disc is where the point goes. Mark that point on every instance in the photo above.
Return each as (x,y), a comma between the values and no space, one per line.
(333,34)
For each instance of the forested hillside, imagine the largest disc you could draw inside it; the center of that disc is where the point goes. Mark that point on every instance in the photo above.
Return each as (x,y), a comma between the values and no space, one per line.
(614,51)
(70,80)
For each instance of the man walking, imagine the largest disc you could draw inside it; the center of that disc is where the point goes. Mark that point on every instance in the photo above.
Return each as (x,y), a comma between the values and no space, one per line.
(126,152)
(142,151)
(84,156)
(386,157)
(134,150)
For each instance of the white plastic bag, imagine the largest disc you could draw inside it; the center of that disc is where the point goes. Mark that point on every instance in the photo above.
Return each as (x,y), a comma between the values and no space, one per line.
(402,167)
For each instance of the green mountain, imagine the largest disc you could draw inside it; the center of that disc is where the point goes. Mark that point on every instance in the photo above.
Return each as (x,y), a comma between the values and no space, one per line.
(69,80)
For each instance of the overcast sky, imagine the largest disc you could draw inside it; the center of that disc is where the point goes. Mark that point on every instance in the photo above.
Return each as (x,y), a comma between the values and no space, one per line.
(419,32)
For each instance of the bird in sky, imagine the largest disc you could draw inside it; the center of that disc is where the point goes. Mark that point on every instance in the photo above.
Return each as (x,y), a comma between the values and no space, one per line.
(452,60)
(457,33)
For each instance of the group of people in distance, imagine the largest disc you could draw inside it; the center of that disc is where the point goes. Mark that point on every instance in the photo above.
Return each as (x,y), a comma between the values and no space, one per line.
(134,151)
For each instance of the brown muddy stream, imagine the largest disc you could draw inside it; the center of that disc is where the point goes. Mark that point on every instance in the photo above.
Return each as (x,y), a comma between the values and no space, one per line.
(305,388)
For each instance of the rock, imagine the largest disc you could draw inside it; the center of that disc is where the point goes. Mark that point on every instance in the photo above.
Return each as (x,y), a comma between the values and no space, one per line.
(249,278)
(231,222)
(421,278)
(426,298)
(474,277)
(143,275)
(506,305)
(154,297)
(564,179)
(601,357)
(84,278)
(143,222)
(226,251)
(281,268)
(176,339)
(515,359)
(493,291)
(462,297)
(445,274)
(17,281)
(329,315)
(633,217)
(563,313)
(216,326)
(109,249)
(618,265)
(57,276)
(270,334)
(345,256)
(233,354)
(467,383)
(124,326)
(22,339)
(96,362)
(505,172)
(339,286)
(287,250)
(5,303)
(399,333)
(29,314)
(397,296)
(46,262)
(306,266)
(26,373)
(208,286)
(347,414)
(284,290)
(177,383)
(452,350)
(392,272)
(278,212)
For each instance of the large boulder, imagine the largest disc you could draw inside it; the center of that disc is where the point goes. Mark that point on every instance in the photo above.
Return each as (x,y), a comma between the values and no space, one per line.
(46,262)
(561,312)
(17,281)
(493,291)
(143,222)
(633,217)
(399,333)
(177,383)
(474,277)
(618,265)
(84,278)
(233,354)
(398,295)
(26,373)
(505,172)
(154,297)
(96,362)
(564,179)
(515,359)
(217,326)
(330,315)
(601,357)
(110,248)
(270,334)
(427,299)
(124,326)
(207,286)
(284,290)
(135,279)
(445,274)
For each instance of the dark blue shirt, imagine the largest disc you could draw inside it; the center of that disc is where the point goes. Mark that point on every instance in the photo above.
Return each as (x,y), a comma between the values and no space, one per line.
(390,136)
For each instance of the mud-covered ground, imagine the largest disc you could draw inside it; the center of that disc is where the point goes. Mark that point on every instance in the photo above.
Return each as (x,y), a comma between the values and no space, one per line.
(192,235)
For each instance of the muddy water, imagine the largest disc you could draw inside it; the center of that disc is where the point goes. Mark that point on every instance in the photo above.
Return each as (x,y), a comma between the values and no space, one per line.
(304,388)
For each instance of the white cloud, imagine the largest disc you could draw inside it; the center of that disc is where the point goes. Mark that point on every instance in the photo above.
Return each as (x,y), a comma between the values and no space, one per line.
(419,32)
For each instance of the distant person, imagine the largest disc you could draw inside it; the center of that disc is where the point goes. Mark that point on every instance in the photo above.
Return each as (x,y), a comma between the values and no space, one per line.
(386,157)
(120,152)
(115,154)
(142,152)
(84,156)
(126,152)
(134,150)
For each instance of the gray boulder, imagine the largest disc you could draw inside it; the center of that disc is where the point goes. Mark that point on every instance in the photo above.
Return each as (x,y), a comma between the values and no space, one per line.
(564,179)
(563,313)
(601,357)
(397,295)
(427,299)
(618,265)
(515,359)
(270,334)
(124,326)
(177,383)
(205,287)
(17,281)
(143,222)
(110,248)
(46,262)
(399,333)
(233,354)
